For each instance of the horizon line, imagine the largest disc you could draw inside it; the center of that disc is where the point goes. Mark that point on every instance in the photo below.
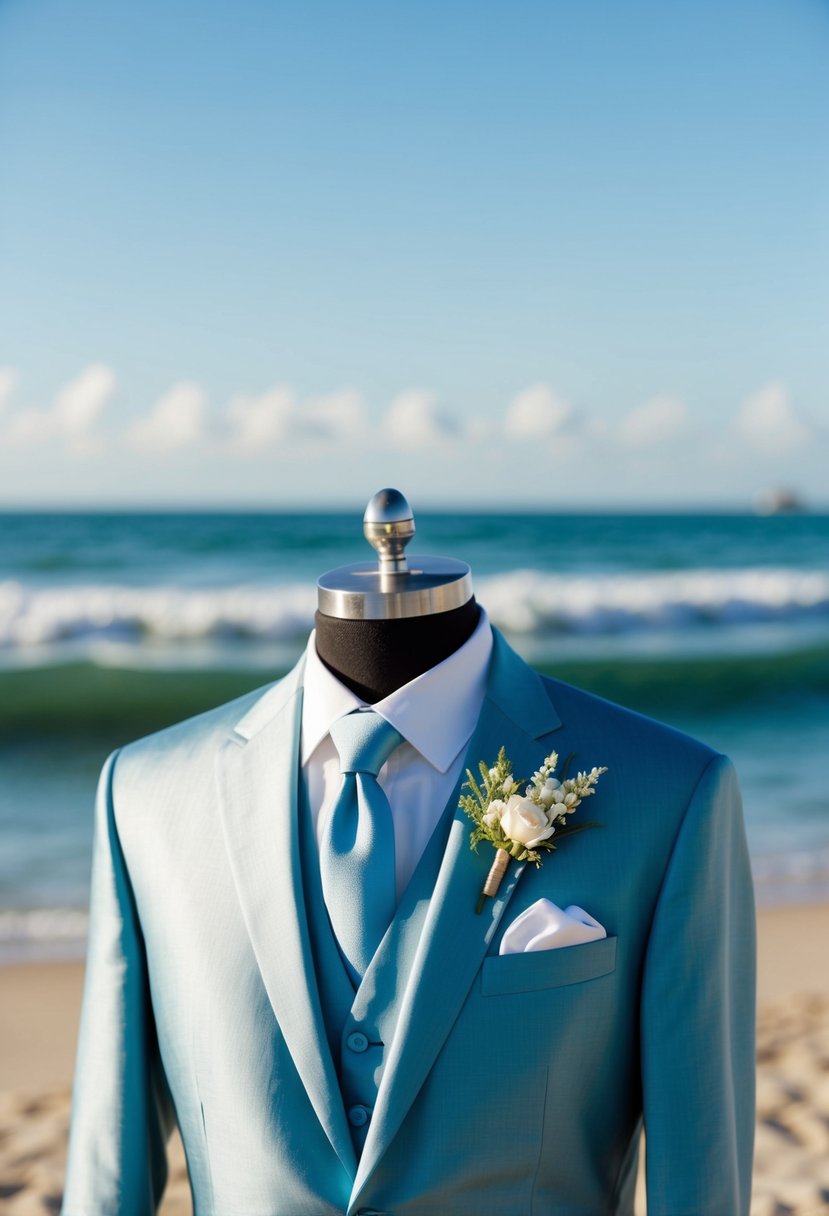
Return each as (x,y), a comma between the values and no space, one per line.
(426,508)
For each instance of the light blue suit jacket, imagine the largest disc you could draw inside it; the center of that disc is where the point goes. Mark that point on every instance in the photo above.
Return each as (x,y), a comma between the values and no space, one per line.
(515,1084)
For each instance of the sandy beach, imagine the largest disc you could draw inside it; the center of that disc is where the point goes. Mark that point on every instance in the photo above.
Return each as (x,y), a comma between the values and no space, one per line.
(39,1007)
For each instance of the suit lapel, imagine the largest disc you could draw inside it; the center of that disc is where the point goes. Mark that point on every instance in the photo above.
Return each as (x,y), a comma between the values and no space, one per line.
(516,714)
(257,774)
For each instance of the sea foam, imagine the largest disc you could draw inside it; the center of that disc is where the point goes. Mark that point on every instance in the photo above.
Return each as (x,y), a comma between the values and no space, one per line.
(524,602)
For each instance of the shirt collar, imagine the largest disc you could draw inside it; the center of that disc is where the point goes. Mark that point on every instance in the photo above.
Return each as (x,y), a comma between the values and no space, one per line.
(456,686)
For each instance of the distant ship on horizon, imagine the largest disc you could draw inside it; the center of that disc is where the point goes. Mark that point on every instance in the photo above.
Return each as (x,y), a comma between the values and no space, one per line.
(780,501)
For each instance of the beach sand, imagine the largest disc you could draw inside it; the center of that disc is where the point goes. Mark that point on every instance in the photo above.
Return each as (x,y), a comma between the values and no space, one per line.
(39,1006)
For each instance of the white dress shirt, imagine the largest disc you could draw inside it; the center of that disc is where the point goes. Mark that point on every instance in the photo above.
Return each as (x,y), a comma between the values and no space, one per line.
(436,713)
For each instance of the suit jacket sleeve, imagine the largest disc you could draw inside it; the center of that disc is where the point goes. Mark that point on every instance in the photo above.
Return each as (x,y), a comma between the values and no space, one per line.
(697,1014)
(121,1110)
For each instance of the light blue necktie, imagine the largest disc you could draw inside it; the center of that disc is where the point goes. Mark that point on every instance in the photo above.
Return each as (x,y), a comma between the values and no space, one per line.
(357,844)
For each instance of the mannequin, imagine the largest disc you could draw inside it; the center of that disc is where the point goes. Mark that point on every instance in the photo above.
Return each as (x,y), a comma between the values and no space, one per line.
(373,658)
(379,626)
(216,995)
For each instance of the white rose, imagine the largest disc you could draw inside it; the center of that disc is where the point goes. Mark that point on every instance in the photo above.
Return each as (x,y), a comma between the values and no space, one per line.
(525,822)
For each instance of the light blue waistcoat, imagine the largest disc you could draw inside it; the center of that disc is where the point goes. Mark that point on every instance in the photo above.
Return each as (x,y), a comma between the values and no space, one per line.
(360,1025)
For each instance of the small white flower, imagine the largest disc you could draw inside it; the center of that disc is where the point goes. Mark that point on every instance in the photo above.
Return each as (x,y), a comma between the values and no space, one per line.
(494,812)
(547,797)
(570,798)
(559,808)
(552,783)
(493,773)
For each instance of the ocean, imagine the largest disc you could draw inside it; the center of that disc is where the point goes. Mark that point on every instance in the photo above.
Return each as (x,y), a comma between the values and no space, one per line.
(115,624)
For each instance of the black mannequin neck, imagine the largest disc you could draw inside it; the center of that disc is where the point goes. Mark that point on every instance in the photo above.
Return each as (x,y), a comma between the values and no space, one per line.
(373,658)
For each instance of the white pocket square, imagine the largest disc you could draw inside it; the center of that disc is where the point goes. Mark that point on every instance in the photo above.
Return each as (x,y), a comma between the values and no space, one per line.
(544,926)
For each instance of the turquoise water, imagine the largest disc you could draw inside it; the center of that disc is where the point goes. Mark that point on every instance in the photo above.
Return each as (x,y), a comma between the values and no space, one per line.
(115,624)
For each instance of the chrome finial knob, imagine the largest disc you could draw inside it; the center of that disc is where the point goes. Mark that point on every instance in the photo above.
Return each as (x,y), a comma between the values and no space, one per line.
(388,525)
(391,589)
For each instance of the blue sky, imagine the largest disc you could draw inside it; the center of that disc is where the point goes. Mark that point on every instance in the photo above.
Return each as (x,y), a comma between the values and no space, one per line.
(547,253)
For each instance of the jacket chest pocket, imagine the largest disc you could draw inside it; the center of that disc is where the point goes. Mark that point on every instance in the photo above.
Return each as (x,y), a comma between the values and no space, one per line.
(537,969)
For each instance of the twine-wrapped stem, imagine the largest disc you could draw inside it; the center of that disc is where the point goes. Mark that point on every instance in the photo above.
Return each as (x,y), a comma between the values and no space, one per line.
(493,879)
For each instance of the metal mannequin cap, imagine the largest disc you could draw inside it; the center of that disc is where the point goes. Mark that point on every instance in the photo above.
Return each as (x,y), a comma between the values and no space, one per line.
(393,587)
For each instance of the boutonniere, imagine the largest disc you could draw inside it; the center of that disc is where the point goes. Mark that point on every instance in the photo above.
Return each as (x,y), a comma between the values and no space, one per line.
(520,825)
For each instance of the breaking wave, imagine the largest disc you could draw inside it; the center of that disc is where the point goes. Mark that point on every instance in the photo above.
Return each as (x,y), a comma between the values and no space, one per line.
(522,602)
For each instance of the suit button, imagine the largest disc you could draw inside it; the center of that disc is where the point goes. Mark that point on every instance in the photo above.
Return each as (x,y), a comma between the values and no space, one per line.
(357,1041)
(358,1116)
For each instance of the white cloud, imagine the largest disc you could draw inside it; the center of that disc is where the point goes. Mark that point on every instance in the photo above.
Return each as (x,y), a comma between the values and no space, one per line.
(258,422)
(768,422)
(413,419)
(652,422)
(79,403)
(335,416)
(537,413)
(175,420)
(8,383)
(76,407)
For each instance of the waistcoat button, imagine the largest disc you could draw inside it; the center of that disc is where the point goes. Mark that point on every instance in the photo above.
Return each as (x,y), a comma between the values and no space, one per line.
(358,1116)
(357,1041)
